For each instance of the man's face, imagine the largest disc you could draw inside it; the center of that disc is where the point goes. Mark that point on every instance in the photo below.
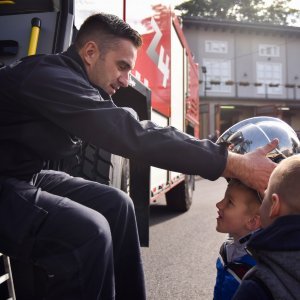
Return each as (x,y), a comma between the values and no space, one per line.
(112,70)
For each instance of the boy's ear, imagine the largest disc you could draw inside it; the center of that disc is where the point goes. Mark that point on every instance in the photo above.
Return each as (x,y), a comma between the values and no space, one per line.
(275,207)
(254,222)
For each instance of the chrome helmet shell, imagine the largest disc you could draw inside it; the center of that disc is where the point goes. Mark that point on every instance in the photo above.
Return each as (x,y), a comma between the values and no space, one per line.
(249,134)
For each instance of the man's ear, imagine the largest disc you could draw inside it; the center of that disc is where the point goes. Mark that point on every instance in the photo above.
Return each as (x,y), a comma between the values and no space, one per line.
(89,53)
(254,223)
(275,206)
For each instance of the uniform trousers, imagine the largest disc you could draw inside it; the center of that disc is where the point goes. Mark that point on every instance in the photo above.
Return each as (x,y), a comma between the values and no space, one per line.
(81,235)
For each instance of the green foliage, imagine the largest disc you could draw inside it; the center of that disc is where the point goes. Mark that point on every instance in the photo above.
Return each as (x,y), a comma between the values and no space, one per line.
(278,12)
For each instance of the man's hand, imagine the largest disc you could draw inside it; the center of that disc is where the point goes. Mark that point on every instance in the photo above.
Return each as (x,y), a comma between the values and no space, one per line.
(253,168)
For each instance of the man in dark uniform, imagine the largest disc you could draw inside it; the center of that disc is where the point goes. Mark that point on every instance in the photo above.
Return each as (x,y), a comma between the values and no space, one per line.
(81,233)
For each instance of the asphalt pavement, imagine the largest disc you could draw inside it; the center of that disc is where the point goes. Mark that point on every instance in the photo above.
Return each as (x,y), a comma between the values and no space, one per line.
(180,262)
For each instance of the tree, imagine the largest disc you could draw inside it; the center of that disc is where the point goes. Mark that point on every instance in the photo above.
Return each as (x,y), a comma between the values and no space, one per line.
(277,13)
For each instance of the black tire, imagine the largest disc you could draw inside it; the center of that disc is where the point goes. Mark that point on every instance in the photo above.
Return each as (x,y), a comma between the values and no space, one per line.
(179,198)
(94,164)
(98,165)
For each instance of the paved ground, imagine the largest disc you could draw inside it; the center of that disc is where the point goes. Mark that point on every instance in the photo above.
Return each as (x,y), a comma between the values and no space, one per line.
(180,262)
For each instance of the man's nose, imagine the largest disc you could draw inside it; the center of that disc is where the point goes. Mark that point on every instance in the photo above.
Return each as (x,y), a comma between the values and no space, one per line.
(124,79)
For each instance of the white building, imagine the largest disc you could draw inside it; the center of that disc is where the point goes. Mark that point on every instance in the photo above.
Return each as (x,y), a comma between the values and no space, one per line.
(246,69)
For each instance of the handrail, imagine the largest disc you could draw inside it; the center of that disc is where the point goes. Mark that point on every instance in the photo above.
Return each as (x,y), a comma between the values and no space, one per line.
(34,37)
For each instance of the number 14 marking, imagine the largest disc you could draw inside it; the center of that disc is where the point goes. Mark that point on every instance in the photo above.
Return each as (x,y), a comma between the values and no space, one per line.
(162,65)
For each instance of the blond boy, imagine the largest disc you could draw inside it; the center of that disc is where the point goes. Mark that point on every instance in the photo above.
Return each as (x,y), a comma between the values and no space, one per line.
(238,215)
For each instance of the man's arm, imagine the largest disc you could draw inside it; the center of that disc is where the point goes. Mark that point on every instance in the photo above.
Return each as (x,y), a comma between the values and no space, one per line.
(253,168)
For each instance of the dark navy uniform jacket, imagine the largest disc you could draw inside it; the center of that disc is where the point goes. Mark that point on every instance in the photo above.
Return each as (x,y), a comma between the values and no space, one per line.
(48,105)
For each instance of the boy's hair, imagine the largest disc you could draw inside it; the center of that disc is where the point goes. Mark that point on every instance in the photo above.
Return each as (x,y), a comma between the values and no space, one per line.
(252,197)
(285,182)
(106,30)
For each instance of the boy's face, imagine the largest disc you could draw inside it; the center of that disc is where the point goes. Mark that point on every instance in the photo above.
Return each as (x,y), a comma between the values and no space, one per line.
(234,214)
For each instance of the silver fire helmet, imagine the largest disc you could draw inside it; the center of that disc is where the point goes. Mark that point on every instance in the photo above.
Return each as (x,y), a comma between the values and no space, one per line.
(249,134)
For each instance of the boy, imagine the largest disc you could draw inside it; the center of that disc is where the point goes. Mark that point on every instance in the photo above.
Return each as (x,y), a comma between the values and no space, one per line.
(276,248)
(239,217)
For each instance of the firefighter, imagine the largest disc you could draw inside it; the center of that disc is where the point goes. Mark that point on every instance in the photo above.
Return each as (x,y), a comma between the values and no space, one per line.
(82,234)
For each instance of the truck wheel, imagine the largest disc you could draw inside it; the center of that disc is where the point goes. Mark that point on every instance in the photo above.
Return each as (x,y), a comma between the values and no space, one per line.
(98,165)
(94,164)
(179,198)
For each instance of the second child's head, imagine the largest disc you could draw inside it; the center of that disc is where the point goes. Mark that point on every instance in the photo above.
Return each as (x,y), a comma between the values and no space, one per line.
(239,210)
(282,196)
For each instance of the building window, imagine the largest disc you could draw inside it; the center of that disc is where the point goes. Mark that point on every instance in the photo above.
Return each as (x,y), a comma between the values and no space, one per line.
(218,72)
(270,74)
(269,50)
(216,46)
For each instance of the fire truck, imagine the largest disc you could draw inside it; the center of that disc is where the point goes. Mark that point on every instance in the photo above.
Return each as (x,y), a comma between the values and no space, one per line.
(163,87)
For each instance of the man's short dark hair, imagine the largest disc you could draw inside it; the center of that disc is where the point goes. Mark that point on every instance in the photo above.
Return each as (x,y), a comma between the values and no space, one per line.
(105,30)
